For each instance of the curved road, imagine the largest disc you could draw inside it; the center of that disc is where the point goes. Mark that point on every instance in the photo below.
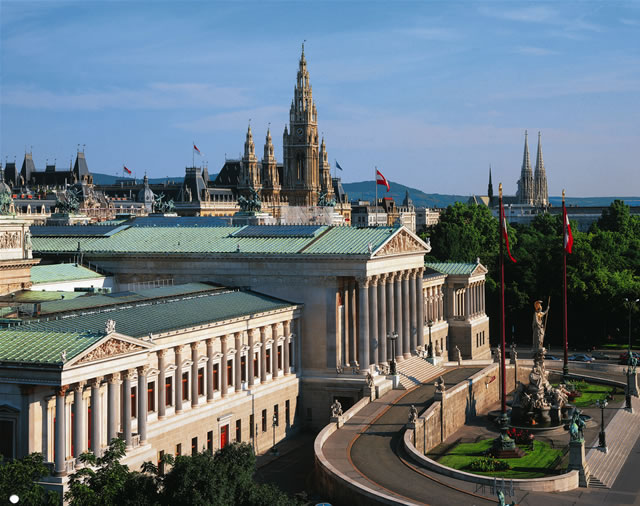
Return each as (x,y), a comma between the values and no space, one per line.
(377,452)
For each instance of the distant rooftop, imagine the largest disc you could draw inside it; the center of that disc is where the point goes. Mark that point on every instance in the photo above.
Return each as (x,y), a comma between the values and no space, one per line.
(452,268)
(41,274)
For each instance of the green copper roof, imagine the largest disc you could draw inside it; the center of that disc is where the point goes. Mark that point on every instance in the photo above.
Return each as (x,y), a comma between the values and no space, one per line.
(349,241)
(32,296)
(43,346)
(61,272)
(452,268)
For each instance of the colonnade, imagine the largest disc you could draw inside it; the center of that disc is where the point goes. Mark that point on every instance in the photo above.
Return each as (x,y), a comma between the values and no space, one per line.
(434,303)
(378,306)
(263,341)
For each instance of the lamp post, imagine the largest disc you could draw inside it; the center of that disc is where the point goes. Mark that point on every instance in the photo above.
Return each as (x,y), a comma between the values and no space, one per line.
(430,324)
(627,396)
(601,437)
(274,449)
(392,336)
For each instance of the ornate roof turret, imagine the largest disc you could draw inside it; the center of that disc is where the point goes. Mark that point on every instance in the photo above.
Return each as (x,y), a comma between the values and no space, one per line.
(268,147)
(249,146)
(146,195)
(407,202)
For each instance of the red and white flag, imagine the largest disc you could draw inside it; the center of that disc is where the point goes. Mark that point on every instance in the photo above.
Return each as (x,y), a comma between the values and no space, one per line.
(503,226)
(568,236)
(380,179)
(126,170)
(195,148)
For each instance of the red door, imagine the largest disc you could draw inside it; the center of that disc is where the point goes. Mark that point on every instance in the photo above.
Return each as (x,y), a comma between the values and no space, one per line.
(224,436)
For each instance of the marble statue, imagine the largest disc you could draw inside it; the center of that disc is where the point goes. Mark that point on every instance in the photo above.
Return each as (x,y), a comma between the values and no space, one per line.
(457,354)
(413,414)
(539,324)
(369,379)
(336,409)
(439,384)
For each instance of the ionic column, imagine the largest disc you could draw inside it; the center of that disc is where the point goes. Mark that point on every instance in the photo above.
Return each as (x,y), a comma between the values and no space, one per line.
(413,321)
(397,291)
(353,322)
(420,307)
(274,351)
(287,336)
(250,375)
(78,418)
(390,316)
(126,407)
(162,384)
(263,355)
(96,417)
(441,304)
(238,361)
(209,370)
(382,320)
(224,387)
(406,326)
(194,375)
(363,311)
(373,320)
(178,379)
(60,436)
(142,403)
(346,322)
(112,406)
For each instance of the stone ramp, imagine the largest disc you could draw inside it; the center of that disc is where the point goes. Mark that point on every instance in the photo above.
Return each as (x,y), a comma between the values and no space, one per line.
(415,371)
(622,432)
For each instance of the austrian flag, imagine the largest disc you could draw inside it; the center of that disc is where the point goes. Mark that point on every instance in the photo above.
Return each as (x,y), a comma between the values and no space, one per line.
(126,170)
(568,236)
(195,148)
(380,179)
(503,226)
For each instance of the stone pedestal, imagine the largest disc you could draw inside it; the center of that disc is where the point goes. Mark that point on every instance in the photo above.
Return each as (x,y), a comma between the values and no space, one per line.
(435,360)
(633,384)
(555,415)
(339,420)
(578,462)
(370,392)
(396,381)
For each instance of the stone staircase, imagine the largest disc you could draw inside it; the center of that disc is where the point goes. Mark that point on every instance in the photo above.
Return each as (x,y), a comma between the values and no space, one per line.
(415,370)
(622,432)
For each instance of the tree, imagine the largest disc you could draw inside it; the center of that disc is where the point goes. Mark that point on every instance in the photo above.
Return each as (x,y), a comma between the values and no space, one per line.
(20,476)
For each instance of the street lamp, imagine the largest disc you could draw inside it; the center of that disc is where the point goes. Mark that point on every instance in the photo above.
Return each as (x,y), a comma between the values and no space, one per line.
(601,437)
(392,336)
(627,396)
(430,324)
(274,449)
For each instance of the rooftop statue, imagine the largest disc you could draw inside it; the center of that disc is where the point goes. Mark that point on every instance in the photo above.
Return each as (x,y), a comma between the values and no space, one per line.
(68,202)
(253,204)
(323,201)
(5,202)
(160,205)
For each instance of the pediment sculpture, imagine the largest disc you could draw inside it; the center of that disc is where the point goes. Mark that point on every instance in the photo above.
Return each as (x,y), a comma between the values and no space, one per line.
(110,348)
(402,243)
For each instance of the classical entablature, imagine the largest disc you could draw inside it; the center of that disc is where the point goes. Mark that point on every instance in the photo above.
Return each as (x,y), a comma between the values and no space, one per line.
(402,242)
(112,345)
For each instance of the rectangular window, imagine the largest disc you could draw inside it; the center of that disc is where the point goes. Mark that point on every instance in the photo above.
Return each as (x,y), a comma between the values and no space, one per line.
(185,386)
(134,403)
(264,420)
(151,396)
(243,368)
(268,360)
(178,449)
(201,381)
(287,412)
(251,427)
(276,415)
(194,446)
(256,373)
(279,348)
(161,462)
(229,372)
(216,377)
(168,392)
(238,430)
(210,441)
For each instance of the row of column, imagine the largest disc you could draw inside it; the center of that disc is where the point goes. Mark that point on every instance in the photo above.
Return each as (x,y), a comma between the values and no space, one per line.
(476,298)
(434,303)
(380,305)
(126,378)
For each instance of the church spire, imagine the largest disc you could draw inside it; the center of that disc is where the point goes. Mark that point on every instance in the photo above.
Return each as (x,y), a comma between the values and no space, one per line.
(525,184)
(249,146)
(490,187)
(541,197)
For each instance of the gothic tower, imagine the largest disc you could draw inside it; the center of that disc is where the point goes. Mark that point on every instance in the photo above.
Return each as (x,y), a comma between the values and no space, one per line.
(525,183)
(301,174)
(541,197)
(270,177)
(250,176)
(325,172)
(490,187)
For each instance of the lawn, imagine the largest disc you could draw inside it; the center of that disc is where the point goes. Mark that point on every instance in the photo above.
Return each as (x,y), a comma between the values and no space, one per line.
(592,392)
(535,464)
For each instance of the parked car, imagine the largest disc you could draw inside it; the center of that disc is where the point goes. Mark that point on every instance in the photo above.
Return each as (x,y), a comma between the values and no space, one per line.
(581,357)
(600,356)
(624,357)
(551,357)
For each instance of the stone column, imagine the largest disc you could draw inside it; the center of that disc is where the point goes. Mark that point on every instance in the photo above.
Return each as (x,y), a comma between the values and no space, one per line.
(60,436)
(413,321)
(353,322)
(420,307)
(209,374)
(238,361)
(285,345)
(96,417)
(112,406)
(162,385)
(406,325)
(78,419)
(390,314)
(263,354)
(397,291)
(274,351)
(467,311)
(346,322)
(194,375)
(373,320)
(382,320)
(142,403)
(178,378)
(224,387)
(363,311)
(126,407)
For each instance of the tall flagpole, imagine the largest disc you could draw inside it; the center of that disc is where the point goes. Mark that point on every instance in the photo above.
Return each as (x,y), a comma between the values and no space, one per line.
(503,367)
(193,154)
(375,180)
(565,367)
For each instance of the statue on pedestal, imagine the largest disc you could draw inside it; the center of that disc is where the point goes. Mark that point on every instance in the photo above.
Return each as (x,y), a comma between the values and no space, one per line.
(336,409)
(413,414)
(539,324)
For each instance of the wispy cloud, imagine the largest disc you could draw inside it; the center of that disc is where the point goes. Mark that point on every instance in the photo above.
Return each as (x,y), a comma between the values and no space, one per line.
(239,119)
(536,51)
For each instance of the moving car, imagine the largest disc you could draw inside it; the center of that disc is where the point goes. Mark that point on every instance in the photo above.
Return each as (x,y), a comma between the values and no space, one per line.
(624,357)
(581,357)
(600,356)
(551,357)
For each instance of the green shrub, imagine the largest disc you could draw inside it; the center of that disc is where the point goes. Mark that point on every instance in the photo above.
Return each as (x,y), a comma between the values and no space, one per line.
(489,464)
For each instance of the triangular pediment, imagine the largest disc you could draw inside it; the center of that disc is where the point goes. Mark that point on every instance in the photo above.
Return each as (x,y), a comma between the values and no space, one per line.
(479,270)
(403,241)
(112,345)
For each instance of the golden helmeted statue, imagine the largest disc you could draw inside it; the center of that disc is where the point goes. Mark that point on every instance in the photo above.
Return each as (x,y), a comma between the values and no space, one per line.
(539,325)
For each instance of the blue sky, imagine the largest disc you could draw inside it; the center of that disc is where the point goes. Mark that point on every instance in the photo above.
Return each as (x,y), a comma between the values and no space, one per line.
(430,92)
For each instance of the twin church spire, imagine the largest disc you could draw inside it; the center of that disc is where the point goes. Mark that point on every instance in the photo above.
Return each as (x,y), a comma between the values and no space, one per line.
(532,188)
